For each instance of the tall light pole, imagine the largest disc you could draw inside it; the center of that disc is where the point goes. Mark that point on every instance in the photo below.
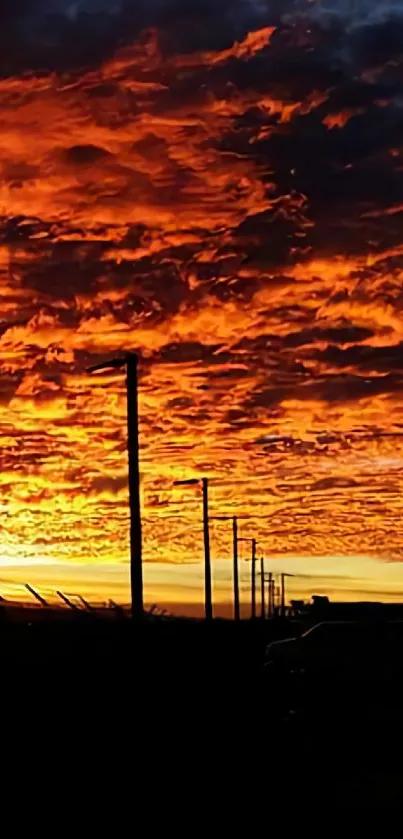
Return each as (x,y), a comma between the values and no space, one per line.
(130,362)
(270,584)
(237,612)
(235,540)
(262,596)
(253,579)
(207,557)
(273,597)
(208,599)
(283,576)
(253,575)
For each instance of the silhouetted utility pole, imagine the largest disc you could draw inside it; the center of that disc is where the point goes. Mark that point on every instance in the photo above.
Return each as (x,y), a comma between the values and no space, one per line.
(253,558)
(253,575)
(37,596)
(235,540)
(136,562)
(269,595)
(282,608)
(136,559)
(262,596)
(237,613)
(208,598)
(207,556)
(274,589)
(282,595)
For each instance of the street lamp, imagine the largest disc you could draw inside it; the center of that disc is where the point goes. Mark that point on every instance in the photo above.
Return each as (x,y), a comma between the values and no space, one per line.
(130,362)
(262,597)
(270,594)
(208,602)
(235,541)
(253,560)
(283,576)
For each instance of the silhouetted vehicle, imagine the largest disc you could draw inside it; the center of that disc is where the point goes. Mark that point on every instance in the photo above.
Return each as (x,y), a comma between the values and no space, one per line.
(335,694)
(339,676)
(342,650)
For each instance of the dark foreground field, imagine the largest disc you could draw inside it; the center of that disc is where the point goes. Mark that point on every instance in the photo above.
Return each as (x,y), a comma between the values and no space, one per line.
(190,704)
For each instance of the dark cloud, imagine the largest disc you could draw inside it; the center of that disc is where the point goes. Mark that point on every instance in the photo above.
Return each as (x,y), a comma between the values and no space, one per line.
(346,334)
(58,34)
(85,154)
(333,389)
(333,483)
(382,359)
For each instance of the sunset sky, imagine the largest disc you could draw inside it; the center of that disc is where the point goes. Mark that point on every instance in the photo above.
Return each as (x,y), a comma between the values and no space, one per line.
(218,186)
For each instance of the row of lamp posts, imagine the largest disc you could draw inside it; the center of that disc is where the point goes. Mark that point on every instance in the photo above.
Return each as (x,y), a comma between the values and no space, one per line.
(130,363)
(204,482)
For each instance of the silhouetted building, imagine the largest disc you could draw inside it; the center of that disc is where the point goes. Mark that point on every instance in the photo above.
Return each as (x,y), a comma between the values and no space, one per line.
(298,607)
(322,608)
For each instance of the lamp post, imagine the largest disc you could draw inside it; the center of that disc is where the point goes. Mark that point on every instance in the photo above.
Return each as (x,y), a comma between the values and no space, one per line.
(237,613)
(253,575)
(208,601)
(235,540)
(130,362)
(262,595)
(283,576)
(270,594)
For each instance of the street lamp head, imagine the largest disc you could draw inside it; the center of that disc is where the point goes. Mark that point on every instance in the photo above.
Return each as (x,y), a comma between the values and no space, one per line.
(113,364)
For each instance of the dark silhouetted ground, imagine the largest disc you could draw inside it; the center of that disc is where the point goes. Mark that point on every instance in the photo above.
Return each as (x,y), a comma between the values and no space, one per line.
(189,700)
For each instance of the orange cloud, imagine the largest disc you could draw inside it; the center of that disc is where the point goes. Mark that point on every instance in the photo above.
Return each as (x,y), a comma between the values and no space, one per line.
(193,208)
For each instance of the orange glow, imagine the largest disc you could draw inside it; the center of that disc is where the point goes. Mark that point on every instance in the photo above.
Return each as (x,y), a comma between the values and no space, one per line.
(148,204)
